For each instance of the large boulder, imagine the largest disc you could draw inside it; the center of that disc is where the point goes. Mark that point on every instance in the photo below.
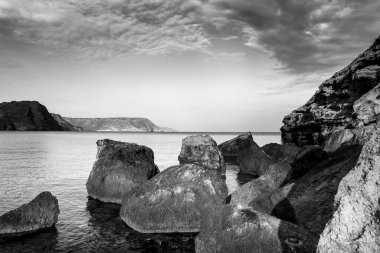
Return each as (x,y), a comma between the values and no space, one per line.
(264,185)
(40,213)
(202,150)
(119,167)
(355,225)
(281,152)
(309,200)
(230,228)
(230,148)
(333,106)
(172,201)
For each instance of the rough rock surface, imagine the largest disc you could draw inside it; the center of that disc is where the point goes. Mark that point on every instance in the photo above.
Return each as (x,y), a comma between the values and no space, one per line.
(229,229)
(263,186)
(332,106)
(230,148)
(355,225)
(172,201)
(26,116)
(40,213)
(119,167)
(367,108)
(202,150)
(309,201)
(279,152)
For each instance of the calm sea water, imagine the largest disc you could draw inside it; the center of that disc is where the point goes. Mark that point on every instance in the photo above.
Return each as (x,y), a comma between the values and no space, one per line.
(60,162)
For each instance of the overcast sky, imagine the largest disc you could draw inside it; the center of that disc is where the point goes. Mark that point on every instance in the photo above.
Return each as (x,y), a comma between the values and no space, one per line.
(193,65)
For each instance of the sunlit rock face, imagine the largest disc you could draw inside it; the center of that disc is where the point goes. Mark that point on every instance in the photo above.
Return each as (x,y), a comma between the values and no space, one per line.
(40,213)
(202,150)
(27,116)
(172,201)
(119,167)
(231,228)
(355,225)
(333,105)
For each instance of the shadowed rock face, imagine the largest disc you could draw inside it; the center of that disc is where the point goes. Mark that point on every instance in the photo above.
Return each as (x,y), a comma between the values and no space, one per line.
(40,213)
(332,107)
(229,229)
(172,201)
(279,152)
(230,148)
(26,116)
(355,225)
(202,150)
(119,167)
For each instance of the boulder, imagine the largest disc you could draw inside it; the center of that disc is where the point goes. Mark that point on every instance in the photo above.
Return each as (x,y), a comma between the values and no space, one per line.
(333,106)
(230,148)
(202,150)
(172,201)
(119,167)
(281,152)
(230,228)
(309,200)
(355,225)
(40,213)
(267,183)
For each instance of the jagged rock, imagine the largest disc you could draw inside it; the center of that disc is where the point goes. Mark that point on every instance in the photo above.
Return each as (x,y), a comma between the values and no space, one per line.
(331,108)
(281,152)
(202,150)
(230,148)
(267,183)
(119,167)
(355,225)
(27,116)
(367,108)
(40,213)
(172,201)
(309,200)
(229,229)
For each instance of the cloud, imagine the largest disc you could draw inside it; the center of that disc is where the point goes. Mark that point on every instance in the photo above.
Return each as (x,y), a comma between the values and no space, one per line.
(307,36)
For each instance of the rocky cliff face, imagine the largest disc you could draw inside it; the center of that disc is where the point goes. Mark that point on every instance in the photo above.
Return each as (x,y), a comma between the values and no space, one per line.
(27,116)
(332,107)
(114,124)
(65,124)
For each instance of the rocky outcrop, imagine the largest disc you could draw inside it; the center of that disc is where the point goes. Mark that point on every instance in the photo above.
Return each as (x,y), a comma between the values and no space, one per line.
(202,150)
(115,124)
(230,148)
(229,229)
(40,213)
(65,124)
(337,104)
(309,200)
(263,186)
(119,168)
(172,201)
(355,225)
(27,116)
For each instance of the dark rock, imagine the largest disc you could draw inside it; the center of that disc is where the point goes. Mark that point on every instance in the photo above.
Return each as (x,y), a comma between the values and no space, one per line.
(332,106)
(355,225)
(172,201)
(65,124)
(309,200)
(266,184)
(119,167)
(40,213)
(229,229)
(305,160)
(279,152)
(230,148)
(202,150)
(27,116)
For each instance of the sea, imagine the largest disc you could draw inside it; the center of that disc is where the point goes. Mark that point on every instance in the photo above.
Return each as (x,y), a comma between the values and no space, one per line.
(60,162)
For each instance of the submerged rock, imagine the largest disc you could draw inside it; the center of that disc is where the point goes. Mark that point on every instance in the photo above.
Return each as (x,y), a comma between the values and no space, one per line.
(202,150)
(119,167)
(230,228)
(333,105)
(172,201)
(40,213)
(355,225)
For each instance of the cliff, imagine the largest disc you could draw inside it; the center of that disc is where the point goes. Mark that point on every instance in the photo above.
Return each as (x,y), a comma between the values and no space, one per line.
(65,124)
(27,116)
(114,124)
(338,102)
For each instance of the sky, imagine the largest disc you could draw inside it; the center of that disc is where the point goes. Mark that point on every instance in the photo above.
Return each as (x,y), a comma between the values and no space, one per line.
(192,65)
